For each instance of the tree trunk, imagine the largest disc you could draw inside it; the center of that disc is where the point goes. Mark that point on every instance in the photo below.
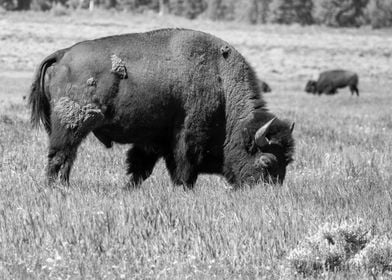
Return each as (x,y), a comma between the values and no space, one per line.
(163,9)
(91,5)
(23,4)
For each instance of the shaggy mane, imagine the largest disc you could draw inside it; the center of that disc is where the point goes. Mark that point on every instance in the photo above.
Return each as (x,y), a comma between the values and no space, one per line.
(260,114)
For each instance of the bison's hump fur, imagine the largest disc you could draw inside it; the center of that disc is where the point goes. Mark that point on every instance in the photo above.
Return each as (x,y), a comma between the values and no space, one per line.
(182,95)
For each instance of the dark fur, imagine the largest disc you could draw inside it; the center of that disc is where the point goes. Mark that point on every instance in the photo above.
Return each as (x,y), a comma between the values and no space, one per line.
(181,99)
(264,87)
(329,81)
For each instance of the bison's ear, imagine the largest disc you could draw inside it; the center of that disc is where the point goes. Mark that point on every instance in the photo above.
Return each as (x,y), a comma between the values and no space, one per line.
(248,141)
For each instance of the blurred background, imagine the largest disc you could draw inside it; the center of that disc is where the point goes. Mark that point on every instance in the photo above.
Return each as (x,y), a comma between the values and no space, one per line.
(345,13)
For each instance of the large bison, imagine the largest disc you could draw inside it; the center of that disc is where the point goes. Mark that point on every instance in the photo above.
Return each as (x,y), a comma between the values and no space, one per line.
(183,95)
(329,81)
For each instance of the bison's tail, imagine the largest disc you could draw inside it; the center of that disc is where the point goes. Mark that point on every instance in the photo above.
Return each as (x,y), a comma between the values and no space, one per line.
(39,101)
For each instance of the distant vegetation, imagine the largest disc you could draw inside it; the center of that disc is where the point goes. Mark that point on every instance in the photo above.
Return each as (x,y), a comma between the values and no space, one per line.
(345,13)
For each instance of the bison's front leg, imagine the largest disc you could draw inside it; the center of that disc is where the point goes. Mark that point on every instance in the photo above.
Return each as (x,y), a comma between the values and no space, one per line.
(330,90)
(141,162)
(181,161)
(181,171)
(70,124)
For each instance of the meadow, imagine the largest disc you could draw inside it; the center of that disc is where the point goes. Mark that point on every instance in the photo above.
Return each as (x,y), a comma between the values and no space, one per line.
(94,229)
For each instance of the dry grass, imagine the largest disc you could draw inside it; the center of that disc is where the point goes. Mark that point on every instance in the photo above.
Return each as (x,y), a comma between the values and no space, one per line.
(348,246)
(94,229)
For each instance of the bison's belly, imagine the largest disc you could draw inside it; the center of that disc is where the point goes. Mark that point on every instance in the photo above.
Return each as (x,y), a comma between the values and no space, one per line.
(156,138)
(120,134)
(128,131)
(141,118)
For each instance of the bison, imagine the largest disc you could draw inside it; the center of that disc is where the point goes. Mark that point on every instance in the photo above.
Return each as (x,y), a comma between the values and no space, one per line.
(181,95)
(264,87)
(329,81)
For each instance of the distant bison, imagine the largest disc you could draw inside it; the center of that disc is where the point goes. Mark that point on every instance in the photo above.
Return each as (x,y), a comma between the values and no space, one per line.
(183,95)
(329,81)
(264,87)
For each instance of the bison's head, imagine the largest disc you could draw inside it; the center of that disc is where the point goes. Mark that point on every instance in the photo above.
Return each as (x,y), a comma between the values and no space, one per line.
(269,147)
(311,86)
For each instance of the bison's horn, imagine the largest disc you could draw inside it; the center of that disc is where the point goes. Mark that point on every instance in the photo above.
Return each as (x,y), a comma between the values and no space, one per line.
(260,138)
(292,127)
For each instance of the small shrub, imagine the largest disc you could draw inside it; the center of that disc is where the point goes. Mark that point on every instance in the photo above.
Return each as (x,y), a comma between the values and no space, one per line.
(376,257)
(59,10)
(187,8)
(338,247)
(6,5)
(329,248)
(84,4)
(6,119)
(340,13)
(291,11)
(40,5)
(221,10)
(379,13)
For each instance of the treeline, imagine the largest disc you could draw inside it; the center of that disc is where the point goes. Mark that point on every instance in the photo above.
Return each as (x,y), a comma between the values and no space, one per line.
(337,13)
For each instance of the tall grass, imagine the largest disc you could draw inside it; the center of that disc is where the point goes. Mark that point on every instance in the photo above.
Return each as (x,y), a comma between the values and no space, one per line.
(95,229)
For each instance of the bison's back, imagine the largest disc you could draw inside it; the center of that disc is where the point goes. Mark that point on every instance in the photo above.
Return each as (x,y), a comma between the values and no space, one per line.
(165,56)
(337,79)
(167,71)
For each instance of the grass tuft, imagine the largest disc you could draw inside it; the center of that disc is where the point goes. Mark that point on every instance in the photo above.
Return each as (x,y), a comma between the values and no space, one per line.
(339,247)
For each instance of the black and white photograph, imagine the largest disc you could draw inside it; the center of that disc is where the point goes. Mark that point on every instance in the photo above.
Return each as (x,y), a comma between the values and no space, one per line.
(196,139)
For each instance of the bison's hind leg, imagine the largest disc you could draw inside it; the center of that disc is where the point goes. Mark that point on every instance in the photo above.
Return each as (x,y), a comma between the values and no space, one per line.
(70,125)
(141,162)
(61,157)
(62,152)
(354,89)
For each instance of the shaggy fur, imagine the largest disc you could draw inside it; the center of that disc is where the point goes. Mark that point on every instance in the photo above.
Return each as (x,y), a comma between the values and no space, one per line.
(92,82)
(74,117)
(186,96)
(329,81)
(118,67)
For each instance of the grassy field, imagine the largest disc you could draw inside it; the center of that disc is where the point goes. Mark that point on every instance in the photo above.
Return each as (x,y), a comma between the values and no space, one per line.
(95,230)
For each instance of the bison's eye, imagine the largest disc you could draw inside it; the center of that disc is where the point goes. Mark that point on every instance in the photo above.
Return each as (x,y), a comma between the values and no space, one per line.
(274,148)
